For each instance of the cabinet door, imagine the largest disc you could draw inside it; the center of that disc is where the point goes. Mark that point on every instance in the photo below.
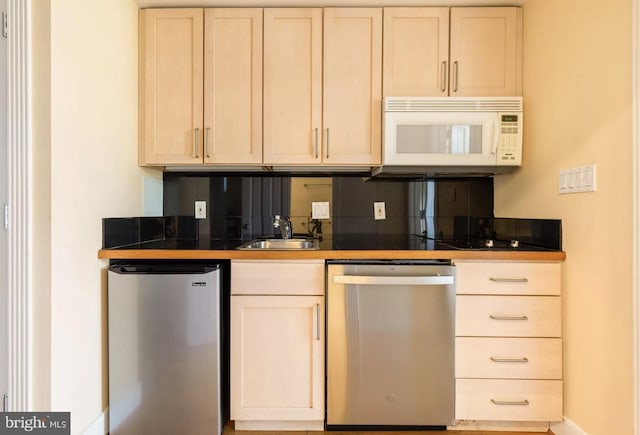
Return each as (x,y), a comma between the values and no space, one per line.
(233,86)
(170,86)
(416,52)
(292,85)
(486,51)
(277,358)
(352,85)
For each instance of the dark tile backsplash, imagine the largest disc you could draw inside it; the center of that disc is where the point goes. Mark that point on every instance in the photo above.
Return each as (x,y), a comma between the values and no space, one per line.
(242,207)
(239,207)
(121,232)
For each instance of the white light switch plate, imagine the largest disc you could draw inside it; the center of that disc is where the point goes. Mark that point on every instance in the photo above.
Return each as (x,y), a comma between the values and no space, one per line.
(580,179)
(320,210)
(379,212)
(201,209)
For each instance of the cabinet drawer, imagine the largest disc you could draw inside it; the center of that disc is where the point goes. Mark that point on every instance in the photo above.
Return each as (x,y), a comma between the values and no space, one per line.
(515,278)
(269,277)
(509,358)
(508,316)
(508,400)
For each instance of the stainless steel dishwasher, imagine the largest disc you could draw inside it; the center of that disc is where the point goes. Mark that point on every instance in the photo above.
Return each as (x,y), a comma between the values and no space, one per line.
(390,344)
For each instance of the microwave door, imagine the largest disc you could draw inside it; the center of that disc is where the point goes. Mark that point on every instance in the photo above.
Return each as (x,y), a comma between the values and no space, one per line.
(440,139)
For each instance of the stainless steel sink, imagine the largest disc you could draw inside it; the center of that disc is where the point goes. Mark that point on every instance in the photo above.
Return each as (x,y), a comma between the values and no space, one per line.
(281,244)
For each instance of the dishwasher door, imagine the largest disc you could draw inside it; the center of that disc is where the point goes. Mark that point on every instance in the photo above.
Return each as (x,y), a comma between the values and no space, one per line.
(390,345)
(164,349)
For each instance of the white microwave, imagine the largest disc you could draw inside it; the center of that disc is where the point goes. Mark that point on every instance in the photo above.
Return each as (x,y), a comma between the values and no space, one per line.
(452,135)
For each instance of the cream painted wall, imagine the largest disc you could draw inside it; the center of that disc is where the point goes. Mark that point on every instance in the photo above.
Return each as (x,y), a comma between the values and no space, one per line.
(93,173)
(577,92)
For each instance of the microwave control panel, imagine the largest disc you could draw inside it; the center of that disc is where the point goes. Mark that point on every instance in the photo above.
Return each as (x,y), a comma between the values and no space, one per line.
(510,139)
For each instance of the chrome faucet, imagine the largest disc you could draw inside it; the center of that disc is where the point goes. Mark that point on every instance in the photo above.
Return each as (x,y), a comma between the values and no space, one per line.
(282,224)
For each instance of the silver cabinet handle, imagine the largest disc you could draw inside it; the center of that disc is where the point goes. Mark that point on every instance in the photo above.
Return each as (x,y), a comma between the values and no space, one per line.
(318,322)
(443,81)
(508,279)
(316,143)
(494,317)
(392,280)
(207,133)
(455,76)
(195,142)
(524,402)
(327,142)
(509,360)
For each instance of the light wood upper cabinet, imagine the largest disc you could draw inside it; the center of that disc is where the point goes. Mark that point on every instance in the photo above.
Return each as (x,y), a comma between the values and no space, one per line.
(459,51)
(486,51)
(200,86)
(233,86)
(322,109)
(416,51)
(352,86)
(170,86)
(292,85)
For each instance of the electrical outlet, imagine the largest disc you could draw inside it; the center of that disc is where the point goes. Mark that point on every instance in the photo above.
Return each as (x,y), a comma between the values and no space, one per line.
(320,210)
(379,211)
(201,209)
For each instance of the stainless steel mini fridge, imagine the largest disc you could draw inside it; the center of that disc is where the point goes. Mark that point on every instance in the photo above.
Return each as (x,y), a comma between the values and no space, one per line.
(164,349)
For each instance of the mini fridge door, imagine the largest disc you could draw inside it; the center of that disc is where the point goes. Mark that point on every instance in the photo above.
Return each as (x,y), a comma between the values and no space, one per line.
(164,351)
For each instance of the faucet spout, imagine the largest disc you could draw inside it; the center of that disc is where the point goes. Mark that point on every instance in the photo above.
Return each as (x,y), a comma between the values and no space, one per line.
(283,224)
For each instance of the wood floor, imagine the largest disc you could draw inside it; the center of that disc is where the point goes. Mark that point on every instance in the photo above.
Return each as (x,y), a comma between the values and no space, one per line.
(229,430)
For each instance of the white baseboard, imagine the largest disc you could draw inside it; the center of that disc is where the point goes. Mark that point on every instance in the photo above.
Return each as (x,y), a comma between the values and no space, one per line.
(567,427)
(100,425)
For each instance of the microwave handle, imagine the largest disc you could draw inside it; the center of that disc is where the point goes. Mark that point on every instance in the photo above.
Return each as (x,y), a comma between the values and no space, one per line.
(496,134)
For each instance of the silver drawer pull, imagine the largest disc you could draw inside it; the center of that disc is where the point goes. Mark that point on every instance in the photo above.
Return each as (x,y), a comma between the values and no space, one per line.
(524,402)
(508,317)
(509,360)
(508,279)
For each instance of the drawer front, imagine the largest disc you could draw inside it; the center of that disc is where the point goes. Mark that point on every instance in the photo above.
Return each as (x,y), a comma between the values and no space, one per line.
(277,277)
(508,316)
(509,358)
(508,400)
(514,278)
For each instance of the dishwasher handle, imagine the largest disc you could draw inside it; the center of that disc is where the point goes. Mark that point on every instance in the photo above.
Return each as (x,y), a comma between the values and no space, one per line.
(392,280)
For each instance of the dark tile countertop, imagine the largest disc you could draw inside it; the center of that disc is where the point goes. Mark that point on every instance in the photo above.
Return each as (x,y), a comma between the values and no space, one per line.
(177,238)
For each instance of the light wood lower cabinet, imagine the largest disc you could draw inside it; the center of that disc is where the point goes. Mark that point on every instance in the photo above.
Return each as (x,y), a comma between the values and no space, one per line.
(277,345)
(508,357)
(508,344)
(509,400)
(508,316)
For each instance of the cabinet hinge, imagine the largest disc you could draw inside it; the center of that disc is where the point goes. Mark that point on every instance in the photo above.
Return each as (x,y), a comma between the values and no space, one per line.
(5,24)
